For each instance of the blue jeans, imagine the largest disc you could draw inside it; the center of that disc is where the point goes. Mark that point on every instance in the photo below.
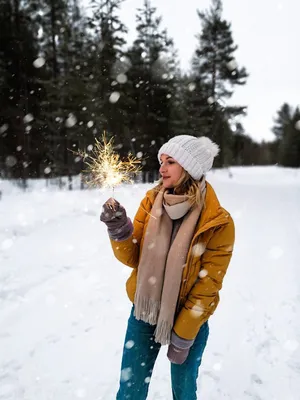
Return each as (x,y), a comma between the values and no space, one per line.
(139,356)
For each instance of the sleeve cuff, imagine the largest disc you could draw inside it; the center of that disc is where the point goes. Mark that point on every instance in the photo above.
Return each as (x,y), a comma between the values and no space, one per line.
(122,233)
(180,342)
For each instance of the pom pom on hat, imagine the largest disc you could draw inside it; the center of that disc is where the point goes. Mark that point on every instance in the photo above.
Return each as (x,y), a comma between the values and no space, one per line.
(195,154)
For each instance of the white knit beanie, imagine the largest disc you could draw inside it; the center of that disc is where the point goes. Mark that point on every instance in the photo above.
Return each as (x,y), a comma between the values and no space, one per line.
(194,154)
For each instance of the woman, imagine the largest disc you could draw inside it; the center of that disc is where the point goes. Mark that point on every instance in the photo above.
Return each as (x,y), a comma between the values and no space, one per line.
(179,247)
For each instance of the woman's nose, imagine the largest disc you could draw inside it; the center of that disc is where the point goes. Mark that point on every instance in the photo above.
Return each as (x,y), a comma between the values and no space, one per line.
(162,168)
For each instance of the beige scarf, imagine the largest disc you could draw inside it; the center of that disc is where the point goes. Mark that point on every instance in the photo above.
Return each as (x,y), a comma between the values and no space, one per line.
(161,263)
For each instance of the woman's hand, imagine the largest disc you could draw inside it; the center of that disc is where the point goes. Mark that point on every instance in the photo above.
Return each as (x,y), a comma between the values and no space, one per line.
(114,216)
(179,349)
(177,355)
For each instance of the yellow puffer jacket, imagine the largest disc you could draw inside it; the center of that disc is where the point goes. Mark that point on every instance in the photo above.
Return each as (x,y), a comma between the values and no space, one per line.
(210,252)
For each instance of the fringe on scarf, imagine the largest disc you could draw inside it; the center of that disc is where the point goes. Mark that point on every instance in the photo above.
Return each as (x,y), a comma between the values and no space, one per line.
(146,309)
(163,333)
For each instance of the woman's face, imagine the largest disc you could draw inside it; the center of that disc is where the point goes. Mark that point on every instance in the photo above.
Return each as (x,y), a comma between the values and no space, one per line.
(170,171)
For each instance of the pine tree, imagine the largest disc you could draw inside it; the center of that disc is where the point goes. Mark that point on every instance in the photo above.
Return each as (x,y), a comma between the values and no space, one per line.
(154,80)
(283,119)
(109,66)
(287,131)
(66,118)
(19,95)
(216,72)
(290,145)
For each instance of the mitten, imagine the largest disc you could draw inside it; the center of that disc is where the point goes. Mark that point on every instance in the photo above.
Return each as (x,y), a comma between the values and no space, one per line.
(114,215)
(179,349)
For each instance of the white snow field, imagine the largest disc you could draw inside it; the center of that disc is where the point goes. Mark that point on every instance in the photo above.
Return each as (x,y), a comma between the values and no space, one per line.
(63,306)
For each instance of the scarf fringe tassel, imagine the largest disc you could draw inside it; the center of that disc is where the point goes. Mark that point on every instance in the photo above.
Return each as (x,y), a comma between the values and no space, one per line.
(163,333)
(147,310)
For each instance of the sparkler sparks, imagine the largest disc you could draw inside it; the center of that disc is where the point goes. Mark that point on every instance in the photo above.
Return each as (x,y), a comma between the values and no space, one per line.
(105,168)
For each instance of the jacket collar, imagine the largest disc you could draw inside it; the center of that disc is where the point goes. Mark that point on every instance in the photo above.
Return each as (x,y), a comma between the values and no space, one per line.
(212,214)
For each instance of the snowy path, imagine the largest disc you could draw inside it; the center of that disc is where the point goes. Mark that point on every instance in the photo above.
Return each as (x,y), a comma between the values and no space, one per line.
(63,307)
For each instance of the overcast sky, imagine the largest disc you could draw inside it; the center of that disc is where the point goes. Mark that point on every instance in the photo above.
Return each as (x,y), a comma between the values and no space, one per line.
(268,35)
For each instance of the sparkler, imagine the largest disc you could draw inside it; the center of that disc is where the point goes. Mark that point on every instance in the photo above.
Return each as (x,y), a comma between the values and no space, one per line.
(105,167)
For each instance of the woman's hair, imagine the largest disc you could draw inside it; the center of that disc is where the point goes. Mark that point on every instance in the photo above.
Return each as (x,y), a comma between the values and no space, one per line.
(188,186)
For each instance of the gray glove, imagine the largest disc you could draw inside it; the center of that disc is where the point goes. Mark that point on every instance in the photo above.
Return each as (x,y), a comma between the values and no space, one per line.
(179,349)
(177,355)
(118,224)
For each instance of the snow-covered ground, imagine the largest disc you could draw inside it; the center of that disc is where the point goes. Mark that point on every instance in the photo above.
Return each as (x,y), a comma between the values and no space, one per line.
(63,307)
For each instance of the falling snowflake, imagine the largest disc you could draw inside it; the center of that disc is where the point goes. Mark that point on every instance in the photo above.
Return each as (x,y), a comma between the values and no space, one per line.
(165,76)
(203,273)
(90,147)
(147,380)
(83,108)
(217,366)
(90,124)
(153,142)
(10,161)
(19,148)
(152,280)
(28,128)
(40,33)
(159,212)
(198,249)
(139,154)
(28,118)
(232,65)
(168,96)
(39,62)
(297,125)
(134,240)
(77,159)
(126,374)
(122,78)
(47,170)
(114,97)
(129,344)
(3,128)
(7,244)
(144,54)
(71,121)
(191,86)
(210,100)
(197,310)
